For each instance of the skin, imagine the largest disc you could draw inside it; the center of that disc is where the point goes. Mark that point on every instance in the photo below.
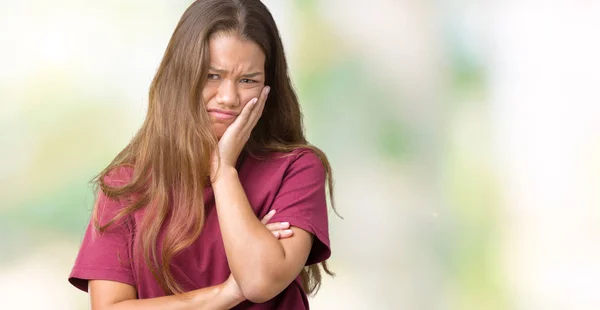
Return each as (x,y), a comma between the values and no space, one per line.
(236,77)
(262,266)
(116,296)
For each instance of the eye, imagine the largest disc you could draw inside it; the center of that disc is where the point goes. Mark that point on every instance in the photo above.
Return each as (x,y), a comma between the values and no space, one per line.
(247,81)
(212,76)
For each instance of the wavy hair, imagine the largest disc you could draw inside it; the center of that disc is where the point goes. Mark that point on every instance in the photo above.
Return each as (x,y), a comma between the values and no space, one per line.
(171,151)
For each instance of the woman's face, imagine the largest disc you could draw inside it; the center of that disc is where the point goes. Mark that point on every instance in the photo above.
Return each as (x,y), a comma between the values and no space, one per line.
(236,76)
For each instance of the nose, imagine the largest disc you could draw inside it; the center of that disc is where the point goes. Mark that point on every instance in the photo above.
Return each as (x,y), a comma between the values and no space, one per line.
(228,94)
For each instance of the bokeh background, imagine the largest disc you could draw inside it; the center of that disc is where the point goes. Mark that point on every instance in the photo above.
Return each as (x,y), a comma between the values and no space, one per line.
(464,137)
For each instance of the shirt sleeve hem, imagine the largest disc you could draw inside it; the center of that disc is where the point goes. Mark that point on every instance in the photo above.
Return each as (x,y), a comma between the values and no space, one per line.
(321,250)
(81,275)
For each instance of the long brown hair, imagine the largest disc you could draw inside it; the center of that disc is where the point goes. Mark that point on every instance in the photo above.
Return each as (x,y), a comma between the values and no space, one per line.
(170,153)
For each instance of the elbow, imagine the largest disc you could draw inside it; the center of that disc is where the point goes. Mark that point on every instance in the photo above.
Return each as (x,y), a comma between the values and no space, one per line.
(259,298)
(259,290)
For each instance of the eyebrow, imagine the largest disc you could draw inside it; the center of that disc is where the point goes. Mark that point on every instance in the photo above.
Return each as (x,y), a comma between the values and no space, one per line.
(251,75)
(247,75)
(217,70)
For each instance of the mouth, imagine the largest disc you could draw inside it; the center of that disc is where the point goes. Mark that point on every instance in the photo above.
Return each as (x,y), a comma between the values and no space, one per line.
(222,114)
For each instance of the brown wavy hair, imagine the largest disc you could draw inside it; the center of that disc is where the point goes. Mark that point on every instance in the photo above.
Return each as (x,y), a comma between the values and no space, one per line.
(171,151)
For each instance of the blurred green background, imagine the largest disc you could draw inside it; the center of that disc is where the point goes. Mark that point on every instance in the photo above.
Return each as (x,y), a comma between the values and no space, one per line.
(464,137)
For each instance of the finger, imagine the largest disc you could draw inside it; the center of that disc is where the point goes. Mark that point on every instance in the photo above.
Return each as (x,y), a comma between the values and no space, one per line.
(260,105)
(276,234)
(258,110)
(263,99)
(268,217)
(277,226)
(285,233)
(246,113)
(240,122)
(273,226)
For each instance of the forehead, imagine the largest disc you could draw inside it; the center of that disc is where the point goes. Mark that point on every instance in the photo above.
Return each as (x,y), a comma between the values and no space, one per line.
(232,53)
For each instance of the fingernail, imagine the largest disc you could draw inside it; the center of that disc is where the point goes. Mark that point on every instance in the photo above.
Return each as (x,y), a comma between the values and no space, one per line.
(254,101)
(272,211)
(276,234)
(287,231)
(267,90)
(285,224)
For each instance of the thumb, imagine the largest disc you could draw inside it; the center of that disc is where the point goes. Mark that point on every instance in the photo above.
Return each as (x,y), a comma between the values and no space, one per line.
(247,110)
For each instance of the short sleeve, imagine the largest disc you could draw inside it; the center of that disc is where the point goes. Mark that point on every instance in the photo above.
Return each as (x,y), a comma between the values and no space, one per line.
(104,255)
(301,201)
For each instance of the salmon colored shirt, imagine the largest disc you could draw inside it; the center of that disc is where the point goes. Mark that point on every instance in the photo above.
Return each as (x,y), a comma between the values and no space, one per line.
(293,185)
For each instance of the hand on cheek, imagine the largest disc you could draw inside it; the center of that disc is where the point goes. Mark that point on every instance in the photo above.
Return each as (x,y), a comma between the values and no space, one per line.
(235,137)
(251,94)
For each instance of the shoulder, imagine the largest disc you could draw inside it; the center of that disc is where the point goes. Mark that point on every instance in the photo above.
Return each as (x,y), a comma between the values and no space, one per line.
(308,162)
(108,202)
(306,156)
(118,176)
(267,172)
(300,165)
(303,155)
(285,162)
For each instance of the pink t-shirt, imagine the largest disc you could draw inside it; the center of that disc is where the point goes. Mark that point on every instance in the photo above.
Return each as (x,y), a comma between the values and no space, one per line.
(293,185)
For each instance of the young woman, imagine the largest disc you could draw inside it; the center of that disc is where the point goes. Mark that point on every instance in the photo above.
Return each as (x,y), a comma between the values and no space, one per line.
(177,221)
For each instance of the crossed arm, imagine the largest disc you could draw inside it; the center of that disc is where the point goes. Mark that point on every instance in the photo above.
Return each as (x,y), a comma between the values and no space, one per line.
(111,295)
(261,266)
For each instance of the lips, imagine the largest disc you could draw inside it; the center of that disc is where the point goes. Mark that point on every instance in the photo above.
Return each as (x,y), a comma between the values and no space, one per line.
(222,114)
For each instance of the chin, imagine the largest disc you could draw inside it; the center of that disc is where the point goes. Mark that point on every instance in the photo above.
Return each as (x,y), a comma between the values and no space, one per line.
(219,130)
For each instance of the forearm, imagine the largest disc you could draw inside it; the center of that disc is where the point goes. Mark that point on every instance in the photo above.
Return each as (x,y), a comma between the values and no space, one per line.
(213,298)
(251,250)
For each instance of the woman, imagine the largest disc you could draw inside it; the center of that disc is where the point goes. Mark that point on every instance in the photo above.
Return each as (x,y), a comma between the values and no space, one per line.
(176,224)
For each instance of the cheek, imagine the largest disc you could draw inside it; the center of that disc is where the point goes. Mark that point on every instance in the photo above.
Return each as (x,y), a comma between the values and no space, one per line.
(208,92)
(248,94)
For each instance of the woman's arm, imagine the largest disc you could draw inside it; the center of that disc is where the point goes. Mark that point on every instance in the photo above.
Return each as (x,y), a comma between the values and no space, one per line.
(114,295)
(262,265)
(111,295)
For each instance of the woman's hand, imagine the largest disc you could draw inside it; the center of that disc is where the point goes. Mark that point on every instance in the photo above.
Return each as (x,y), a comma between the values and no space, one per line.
(237,134)
(280,231)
